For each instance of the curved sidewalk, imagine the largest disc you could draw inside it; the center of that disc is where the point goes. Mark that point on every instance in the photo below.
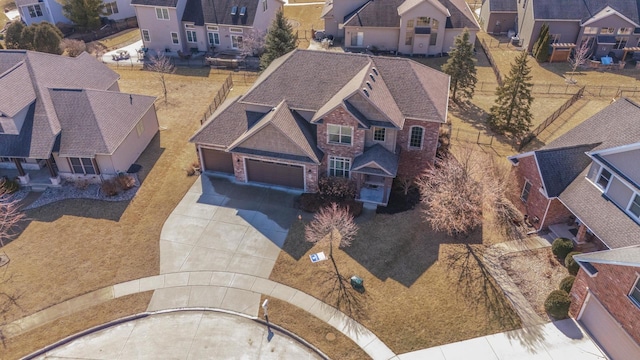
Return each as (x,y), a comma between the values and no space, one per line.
(210,289)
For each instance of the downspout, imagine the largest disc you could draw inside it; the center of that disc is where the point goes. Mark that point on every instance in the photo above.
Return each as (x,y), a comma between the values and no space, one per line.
(544,217)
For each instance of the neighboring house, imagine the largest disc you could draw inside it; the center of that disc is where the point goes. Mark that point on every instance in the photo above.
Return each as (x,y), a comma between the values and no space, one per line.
(585,185)
(35,11)
(200,25)
(605,299)
(315,113)
(68,115)
(499,16)
(417,27)
(608,25)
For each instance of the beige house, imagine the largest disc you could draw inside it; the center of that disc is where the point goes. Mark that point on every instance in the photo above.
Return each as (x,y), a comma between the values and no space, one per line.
(68,115)
(200,25)
(415,27)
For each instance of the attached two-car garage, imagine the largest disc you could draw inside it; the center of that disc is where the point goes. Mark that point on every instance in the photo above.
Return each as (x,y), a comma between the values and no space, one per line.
(275,173)
(217,161)
(607,332)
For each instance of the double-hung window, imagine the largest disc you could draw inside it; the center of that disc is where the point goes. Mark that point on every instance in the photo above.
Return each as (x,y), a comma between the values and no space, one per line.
(379,134)
(604,178)
(338,134)
(634,295)
(174,38)
(415,137)
(162,13)
(191,33)
(213,35)
(35,10)
(526,189)
(339,166)
(145,35)
(634,207)
(111,8)
(83,166)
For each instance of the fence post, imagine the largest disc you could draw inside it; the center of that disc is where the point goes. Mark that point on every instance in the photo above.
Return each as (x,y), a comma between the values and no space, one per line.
(478,139)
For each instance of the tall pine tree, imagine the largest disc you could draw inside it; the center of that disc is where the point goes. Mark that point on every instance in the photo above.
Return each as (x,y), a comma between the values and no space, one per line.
(461,67)
(84,13)
(280,40)
(512,111)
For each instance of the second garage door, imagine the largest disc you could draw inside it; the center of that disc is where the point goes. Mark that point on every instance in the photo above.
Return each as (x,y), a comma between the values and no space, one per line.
(607,332)
(275,173)
(218,161)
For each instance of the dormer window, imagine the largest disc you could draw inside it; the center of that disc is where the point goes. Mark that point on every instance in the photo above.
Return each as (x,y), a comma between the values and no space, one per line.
(243,11)
(234,10)
(604,179)
(634,208)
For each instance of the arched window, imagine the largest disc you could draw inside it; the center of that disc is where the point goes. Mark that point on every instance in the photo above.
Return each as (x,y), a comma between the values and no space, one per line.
(415,137)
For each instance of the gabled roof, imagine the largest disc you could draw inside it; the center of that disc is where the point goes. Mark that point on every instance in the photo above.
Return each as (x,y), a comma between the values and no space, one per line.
(625,256)
(503,5)
(605,13)
(219,12)
(160,3)
(15,98)
(289,124)
(47,71)
(559,167)
(582,9)
(96,121)
(378,157)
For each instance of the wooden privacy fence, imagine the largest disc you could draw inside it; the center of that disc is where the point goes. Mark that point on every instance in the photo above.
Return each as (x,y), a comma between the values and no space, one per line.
(220,97)
(486,51)
(556,114)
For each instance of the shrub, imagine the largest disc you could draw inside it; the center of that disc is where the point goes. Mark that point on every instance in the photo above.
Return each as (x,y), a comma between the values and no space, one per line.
(561,247)
(355,207)
(310,202)
(557,304)
(8,186)
(125,181)
(72,47)
(571,264)
(337,189)
(193,168)
(81,184)
(567,283)
(110,188)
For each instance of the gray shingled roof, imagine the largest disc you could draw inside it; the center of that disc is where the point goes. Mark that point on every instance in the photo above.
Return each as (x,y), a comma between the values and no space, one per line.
(219,12)
(15,98)
(378,155)
(96,121)
(626,256)
(609,223)
(582,9)
(559,167)
(49,71)
(461,16)
(503,5)
(161,3)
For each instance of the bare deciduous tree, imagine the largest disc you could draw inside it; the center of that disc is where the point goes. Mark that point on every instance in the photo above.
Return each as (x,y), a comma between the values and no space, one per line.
(10,217)
(579,58)
(253,43)
(162,65)
(497,186)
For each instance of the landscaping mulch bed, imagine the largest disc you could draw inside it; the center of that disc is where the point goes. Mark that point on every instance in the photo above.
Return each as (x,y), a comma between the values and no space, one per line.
(536,273)
(399,202)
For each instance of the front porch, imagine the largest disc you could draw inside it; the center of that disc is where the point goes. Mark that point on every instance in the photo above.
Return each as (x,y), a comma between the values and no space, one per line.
(584,240)
(37,180)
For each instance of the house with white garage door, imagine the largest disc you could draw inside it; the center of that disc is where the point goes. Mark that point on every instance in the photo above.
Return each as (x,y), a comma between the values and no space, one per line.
(316,113)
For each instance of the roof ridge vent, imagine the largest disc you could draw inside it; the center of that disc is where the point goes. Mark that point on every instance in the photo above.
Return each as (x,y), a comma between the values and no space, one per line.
(369,85)
(366,92)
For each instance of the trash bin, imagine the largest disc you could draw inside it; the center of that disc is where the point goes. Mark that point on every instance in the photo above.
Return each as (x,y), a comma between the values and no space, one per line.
(357,282)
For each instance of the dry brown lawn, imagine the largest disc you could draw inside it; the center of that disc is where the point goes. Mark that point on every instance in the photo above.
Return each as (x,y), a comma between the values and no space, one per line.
(303,19)
(76,246)
(423,288)
(536,273)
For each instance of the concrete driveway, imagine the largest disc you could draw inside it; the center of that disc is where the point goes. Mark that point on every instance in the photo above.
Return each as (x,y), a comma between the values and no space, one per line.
(222,226)
(184,335)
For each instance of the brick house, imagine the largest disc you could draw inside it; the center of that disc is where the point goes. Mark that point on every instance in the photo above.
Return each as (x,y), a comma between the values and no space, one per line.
(315,113)
(606,300)
(585,185)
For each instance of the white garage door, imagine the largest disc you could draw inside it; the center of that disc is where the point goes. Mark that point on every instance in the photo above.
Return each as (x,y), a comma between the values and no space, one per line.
(607,332)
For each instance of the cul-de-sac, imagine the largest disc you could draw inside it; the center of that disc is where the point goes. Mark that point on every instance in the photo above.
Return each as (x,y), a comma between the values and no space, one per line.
(320,179)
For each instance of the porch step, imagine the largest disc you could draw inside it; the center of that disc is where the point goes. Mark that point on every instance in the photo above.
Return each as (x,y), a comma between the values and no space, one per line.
(38,188)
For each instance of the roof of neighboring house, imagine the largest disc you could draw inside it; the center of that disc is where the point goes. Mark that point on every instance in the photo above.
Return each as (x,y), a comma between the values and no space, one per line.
(219,12)
(96,121)
(25,2)
(161,3)
(379,156)
(44,71)
(376,13)
(559,167)
(327,8)
(582,9)
(626,256)
(503,5)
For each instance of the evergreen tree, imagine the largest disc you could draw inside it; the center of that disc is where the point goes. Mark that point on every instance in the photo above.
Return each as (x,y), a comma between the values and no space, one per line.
(13,35)
(461,67)
(512,111)
(26,37)
(47,38)
(541,46)
(280,40)
(84,13)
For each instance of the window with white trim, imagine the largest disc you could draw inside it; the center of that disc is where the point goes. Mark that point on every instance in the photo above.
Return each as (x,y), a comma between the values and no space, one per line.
(526,189)
(236,41)
(111,8)
(590,30)
(82,166)
(339,166)
(625,31)
(607,31)
(415,137)
(214,38)
(236,30)
(338,134)
(604,178)
(264,5)
(35,10)
(174,38)
(162,13)
(145,35)
(634,207)
(379,134)
(634,295)
(191,36)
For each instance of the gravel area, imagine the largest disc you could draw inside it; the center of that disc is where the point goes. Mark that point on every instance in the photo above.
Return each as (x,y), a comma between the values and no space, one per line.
(70,191)
(536,273)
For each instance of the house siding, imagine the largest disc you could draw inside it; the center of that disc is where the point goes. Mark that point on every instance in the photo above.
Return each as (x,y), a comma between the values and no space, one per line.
(272,140)
(160,30)
(537,203)
(611,286)
(385,39)
(413,162)
(424,9)
(133,145)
